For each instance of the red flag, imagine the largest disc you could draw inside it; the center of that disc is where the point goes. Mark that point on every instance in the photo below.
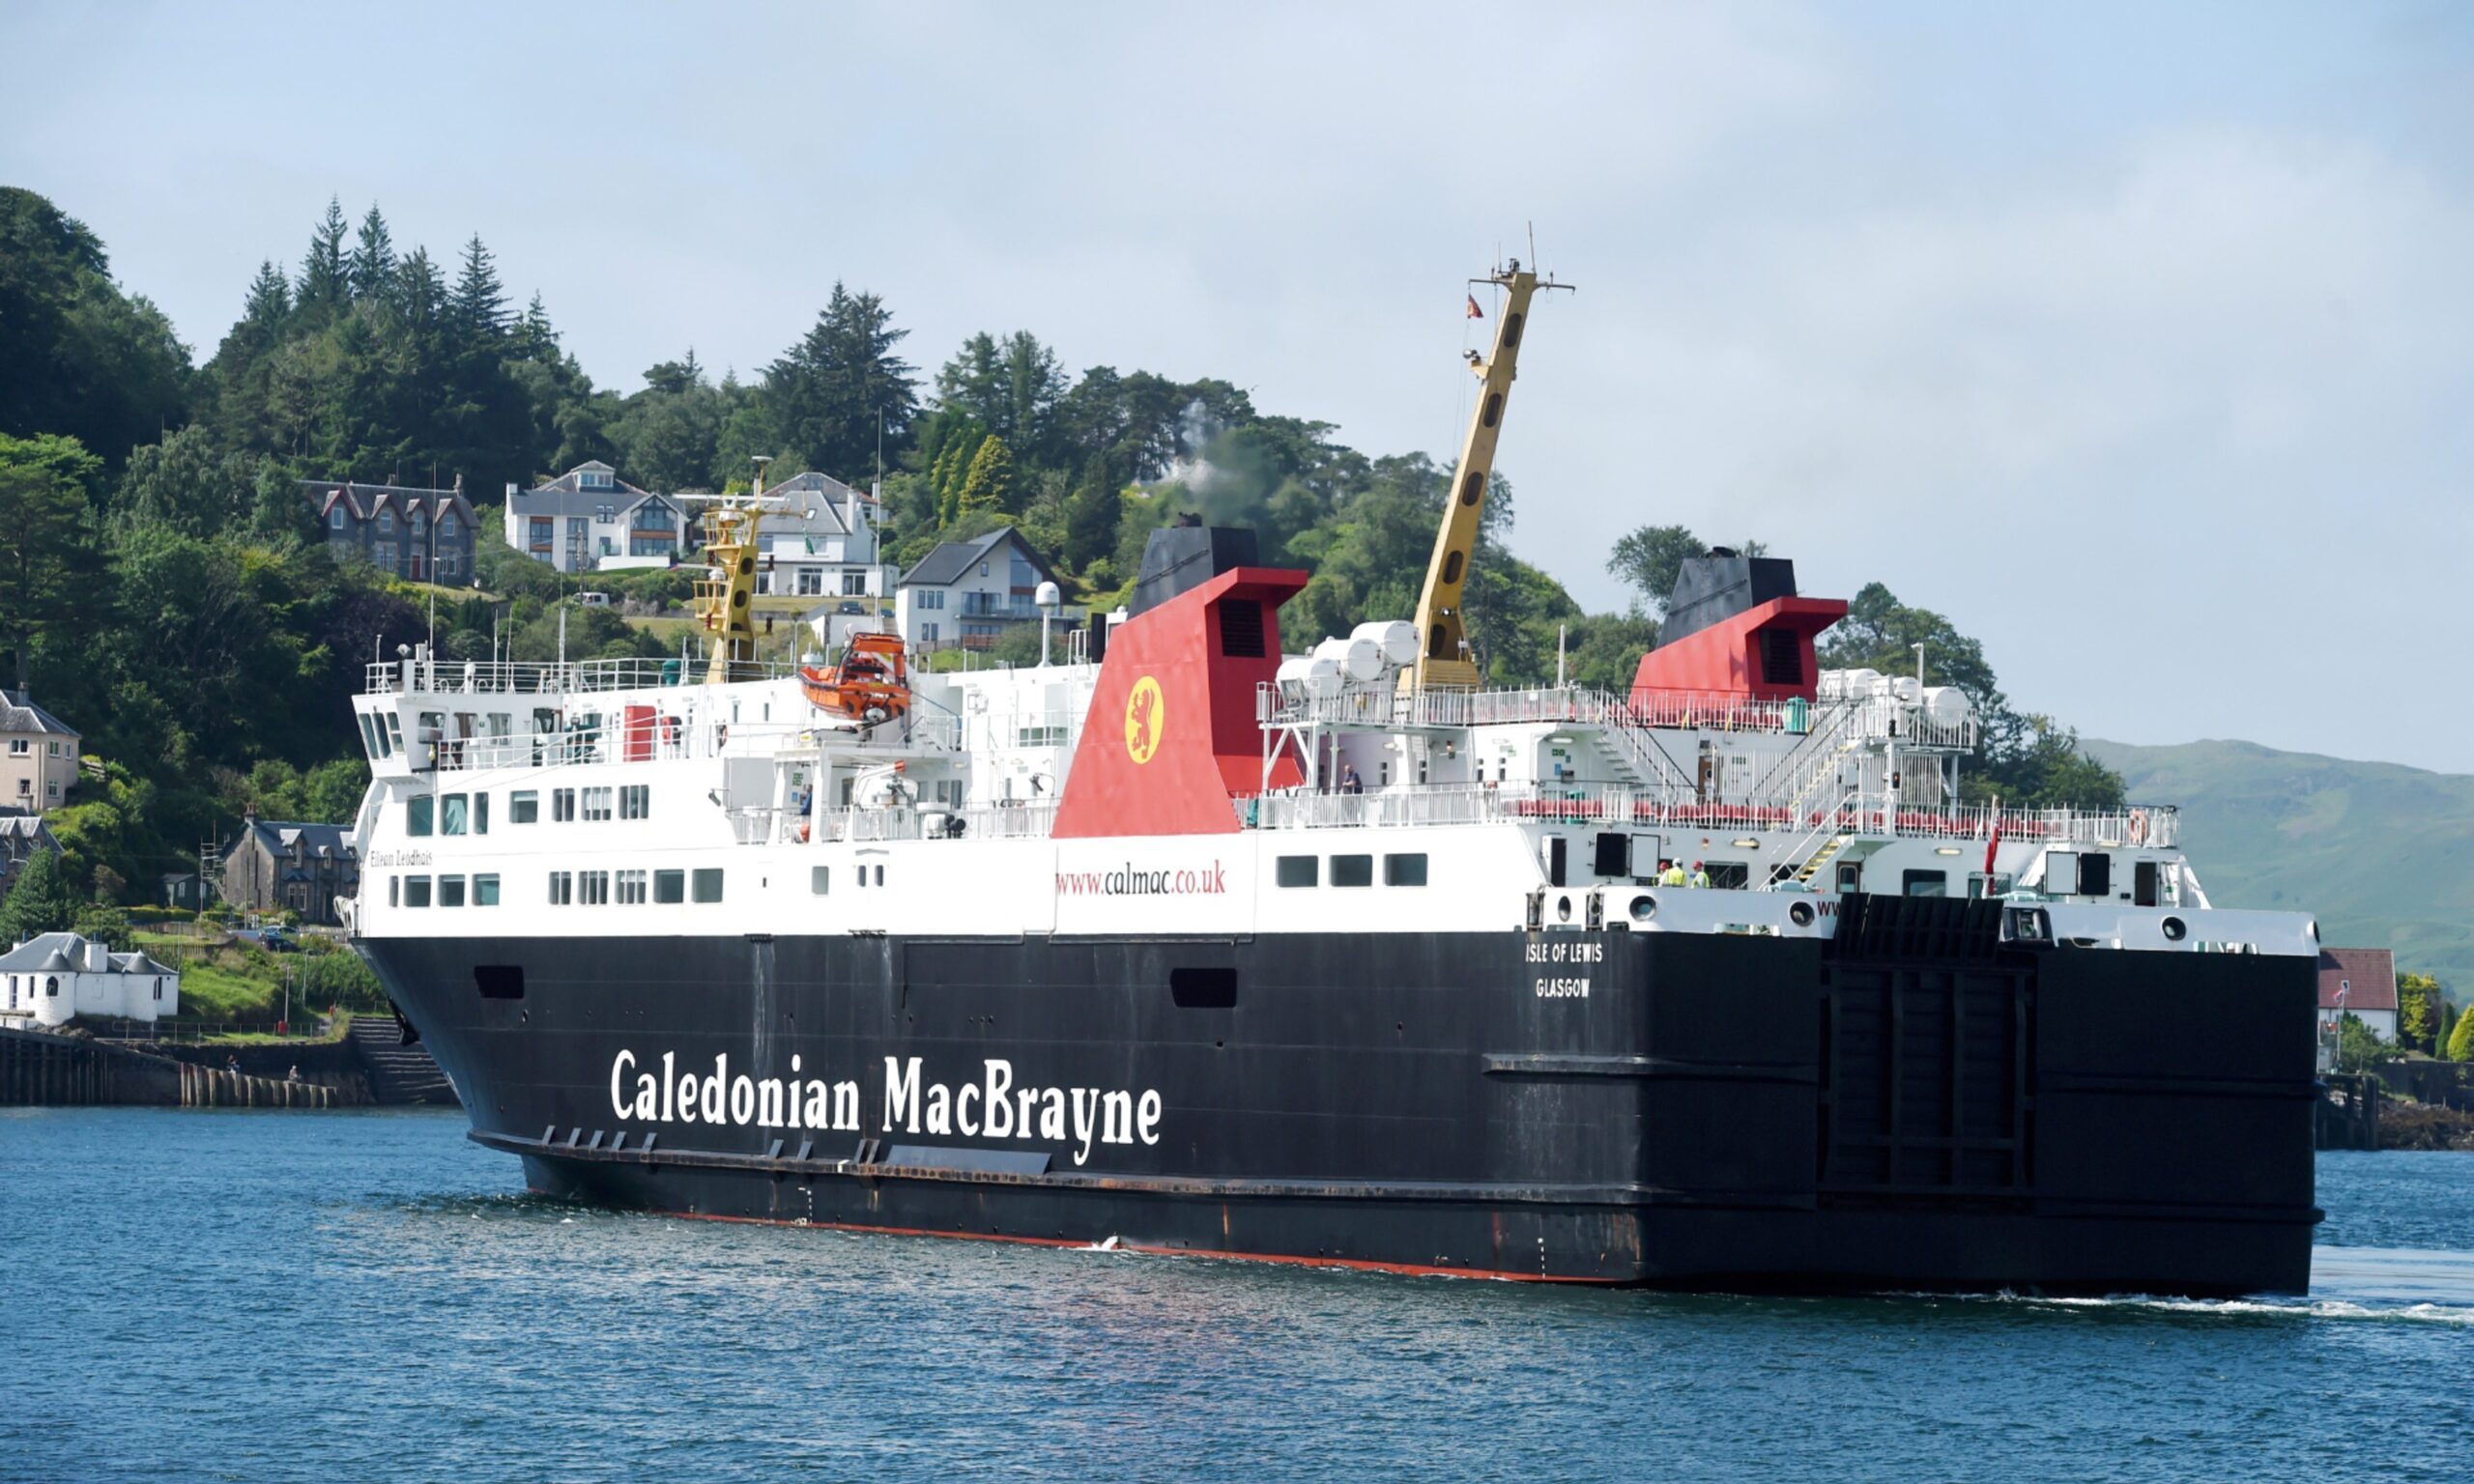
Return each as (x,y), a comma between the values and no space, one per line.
(1475,312)
(1992,845)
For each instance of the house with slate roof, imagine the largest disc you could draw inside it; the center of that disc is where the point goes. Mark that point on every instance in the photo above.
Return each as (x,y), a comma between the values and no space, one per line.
(54,976)
(417,534)
(822,543)
(22,837)
(589,520)
(966,593)
(2362,983)
(37,756)
(273,864)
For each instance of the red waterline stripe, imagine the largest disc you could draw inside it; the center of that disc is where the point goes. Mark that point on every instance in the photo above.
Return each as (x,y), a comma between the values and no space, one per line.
(1354,1263)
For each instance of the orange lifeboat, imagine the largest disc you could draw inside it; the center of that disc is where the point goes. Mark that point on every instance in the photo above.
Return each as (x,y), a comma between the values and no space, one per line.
(872,683)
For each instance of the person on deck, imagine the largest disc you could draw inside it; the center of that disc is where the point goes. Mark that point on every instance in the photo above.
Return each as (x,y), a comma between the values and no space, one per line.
(1673,874)
(1350,783)
(1700,877)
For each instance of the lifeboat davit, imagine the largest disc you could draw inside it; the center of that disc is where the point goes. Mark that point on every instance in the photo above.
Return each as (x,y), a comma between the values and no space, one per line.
(872,683)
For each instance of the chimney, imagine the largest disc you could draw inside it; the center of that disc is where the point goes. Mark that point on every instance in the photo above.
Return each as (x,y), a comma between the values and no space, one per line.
(98,957)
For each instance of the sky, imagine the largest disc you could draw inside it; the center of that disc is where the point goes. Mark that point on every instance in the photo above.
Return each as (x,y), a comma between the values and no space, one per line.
(2137,339)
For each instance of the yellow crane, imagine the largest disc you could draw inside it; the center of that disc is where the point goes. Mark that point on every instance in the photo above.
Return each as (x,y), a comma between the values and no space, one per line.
(725,597)
(1443,653)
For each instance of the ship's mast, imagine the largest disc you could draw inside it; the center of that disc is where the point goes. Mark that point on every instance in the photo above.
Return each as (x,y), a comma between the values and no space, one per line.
(1443,656)
(725,597)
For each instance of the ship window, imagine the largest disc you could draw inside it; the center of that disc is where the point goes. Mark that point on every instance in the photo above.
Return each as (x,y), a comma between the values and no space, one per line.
(2095,875)
(635,801)
(394,891)
(562,887)
(1782,657)
(417,814)
(1924,883)
(394,733)
(1728,875)
(369,736)
(2144,883)
(708,884)
(592,888)
(597,804)
(820,879)
(1405,869)
(1980,885)
(562,805)
(456,816)
(417,891)
(480,814)
(631,888)
(669,885)
(523,807)
(1297,871)
(485,891)
(1352,871)
(1241,629)
(451,891)
(1614,854)
(1203,988)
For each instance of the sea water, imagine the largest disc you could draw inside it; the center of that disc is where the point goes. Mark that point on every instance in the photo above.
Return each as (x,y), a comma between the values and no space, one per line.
(368,1296)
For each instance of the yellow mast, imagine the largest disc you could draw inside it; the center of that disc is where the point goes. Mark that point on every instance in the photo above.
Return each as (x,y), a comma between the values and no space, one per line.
(1443,658)
(725,597)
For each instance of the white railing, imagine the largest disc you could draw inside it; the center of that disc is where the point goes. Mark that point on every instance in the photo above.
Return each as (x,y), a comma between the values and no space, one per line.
(764,824)
(1459,804)
(446,677)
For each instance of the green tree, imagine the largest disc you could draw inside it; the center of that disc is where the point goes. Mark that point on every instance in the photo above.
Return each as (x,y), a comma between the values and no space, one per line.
(78,356)
(2460,1038)
(326,283)
(49,562)
(370,271)
(1011,386)
(842,389)
(2418,1007)
(186,483)
(991,483)
(43,899)
(1648,558)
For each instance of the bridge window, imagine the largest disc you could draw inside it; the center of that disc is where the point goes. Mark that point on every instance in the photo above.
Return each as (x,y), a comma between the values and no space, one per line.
(597,804)
(635,801)
(419,814)
(456,816)
(562,805)
(523,807)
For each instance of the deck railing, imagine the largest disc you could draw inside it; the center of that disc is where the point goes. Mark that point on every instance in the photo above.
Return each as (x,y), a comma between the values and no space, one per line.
(448,677)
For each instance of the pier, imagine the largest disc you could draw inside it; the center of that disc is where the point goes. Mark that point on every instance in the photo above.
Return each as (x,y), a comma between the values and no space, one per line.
(41,1069)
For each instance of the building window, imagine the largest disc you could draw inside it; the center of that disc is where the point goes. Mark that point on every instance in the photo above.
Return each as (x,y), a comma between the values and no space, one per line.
(51,987)
(446,525)
(336,518)
(854,585)
(593,888)
(485,891)
(384,553)
(417,891)
(456,816)
(708,884)
(810,583)
(523,807)
(562,805)
(597,804)
(1297,871)
(635,801)
(820,879)
(387,524)
(562,887)
(929,597)
(451,891)
(1352,871)
(544,530)
(418,814)
(1404,869)
(631,888)
(420,522)
(19,747)
(669,885)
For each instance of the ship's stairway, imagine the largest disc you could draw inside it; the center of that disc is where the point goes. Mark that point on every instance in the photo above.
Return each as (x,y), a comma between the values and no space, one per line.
(1820,858)
(399,1071)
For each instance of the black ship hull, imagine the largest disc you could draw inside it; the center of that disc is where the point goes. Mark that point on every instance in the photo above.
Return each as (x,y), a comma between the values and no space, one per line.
(1916,1106)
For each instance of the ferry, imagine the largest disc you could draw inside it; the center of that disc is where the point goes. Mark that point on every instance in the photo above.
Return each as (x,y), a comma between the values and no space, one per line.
(1188,941)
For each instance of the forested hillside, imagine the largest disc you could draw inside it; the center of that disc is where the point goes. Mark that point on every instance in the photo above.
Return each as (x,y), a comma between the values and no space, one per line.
(163,587)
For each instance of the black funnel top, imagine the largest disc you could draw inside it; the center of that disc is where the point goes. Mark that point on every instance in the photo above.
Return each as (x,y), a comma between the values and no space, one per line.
(1182,556)
(1714,588)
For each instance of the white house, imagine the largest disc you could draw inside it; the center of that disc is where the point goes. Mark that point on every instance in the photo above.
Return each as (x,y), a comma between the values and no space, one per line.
(589,519)
(822,544)
(48,979)
(2362,983)
(966,593)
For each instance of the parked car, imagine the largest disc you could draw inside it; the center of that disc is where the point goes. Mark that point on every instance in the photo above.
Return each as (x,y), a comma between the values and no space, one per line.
(593,599)
(276,940)
(850,608)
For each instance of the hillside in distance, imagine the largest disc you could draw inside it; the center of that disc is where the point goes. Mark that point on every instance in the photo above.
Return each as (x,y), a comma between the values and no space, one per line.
(2382,853)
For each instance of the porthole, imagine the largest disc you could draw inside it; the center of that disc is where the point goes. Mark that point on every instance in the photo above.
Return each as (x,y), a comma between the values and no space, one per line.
(2174,930)
(1563,909)
(1644,907)
(1801,914)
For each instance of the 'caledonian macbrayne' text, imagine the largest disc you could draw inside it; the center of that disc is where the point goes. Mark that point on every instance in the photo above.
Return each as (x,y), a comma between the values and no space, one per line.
(990,1108)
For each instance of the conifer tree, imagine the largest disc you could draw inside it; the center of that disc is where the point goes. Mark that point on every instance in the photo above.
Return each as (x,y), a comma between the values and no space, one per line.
(478,307)
(43,899)
(371,270)
(324,283)
(2461,1041)
(991,484)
